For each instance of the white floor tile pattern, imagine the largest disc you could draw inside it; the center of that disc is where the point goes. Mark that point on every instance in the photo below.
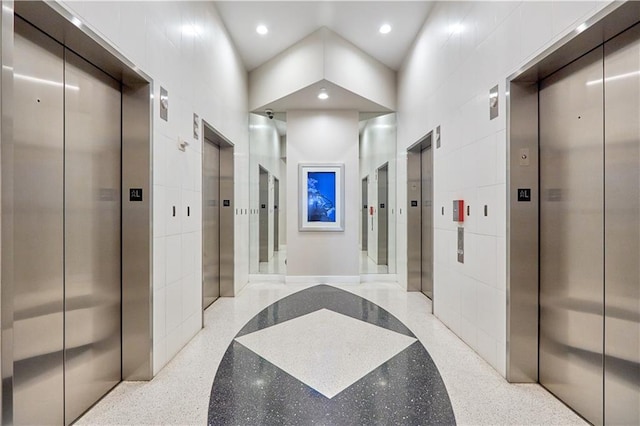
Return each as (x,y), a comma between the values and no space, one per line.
(326,350)
(179,394)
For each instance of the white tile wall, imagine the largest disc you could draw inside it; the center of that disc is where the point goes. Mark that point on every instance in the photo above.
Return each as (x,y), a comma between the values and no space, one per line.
(203,74)
(445,80)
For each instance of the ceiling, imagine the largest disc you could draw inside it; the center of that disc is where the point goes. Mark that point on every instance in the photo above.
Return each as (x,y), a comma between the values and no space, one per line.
(291,21)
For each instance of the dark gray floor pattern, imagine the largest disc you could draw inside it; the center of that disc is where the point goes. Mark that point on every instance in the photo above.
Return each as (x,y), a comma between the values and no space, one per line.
(413,392)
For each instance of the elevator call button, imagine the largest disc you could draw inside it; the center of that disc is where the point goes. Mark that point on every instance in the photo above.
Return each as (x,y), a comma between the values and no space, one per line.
(135,194)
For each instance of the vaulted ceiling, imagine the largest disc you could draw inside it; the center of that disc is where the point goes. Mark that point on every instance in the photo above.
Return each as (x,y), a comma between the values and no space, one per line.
(290,21)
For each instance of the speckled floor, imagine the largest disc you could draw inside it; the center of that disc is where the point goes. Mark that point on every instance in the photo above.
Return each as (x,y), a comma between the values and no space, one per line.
(180,393)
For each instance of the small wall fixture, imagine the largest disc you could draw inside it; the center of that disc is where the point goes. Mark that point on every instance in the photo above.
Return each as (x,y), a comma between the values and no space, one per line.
(323,94)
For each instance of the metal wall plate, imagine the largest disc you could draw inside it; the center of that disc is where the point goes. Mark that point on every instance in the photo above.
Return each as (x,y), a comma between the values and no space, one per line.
(164,104)
(460,244)
(493,103)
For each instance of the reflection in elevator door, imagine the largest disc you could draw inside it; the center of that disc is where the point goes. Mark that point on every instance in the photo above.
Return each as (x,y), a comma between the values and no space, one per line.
(571,235)
(263,221)
(622,229)
(67,317)
(427,223)
(590,232)
(365,214)
(276,217)
(92,235)
(383,215)
(211,224)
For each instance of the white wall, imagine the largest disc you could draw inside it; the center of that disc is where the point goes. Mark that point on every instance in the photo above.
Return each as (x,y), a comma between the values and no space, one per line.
(351,68)
(323,55)
(377,147)
(323,137)
(185,48)
(264,147)
(296,68)
(463,50)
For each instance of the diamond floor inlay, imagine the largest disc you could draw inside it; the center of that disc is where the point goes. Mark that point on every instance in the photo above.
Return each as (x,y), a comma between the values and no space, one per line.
(326,350)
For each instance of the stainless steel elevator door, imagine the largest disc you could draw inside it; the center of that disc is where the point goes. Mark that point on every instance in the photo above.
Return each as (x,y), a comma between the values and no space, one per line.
(365,214)
(427,223)
(211,223)
(622,229)
(571,235)
(276,216)
(263,221)
(38,249)
(383,215)
(92,235)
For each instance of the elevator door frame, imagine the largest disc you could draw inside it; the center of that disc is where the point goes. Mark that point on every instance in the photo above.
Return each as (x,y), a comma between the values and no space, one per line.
(364,225)
(137,284)
(227,210)
(263,216)
(382,181)
(276,215)
(210,210)
(414,214)
(522,226)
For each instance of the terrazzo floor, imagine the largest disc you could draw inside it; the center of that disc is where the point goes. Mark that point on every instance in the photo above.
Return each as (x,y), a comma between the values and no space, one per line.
(238,332)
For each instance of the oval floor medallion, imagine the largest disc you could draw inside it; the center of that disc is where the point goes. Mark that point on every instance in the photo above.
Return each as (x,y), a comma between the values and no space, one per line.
(328,357)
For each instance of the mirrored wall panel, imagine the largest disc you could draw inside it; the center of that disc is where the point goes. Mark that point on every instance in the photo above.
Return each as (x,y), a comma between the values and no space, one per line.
(267,186)
(378,194)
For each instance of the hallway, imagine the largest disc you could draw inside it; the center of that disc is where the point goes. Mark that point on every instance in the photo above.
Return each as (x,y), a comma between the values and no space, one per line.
(180,393)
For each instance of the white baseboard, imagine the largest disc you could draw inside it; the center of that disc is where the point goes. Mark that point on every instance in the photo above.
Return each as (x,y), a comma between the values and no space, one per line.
(330,279)
(266,278)
(379,278)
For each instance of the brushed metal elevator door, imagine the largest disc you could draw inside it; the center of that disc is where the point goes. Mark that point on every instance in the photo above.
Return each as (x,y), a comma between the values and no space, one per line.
(211,222)
(383,215)
(427,223)
(263,221)
(67,350)
(276,216)
(622,229)
(572,235)
(38,340)
(92,234)
(365,214)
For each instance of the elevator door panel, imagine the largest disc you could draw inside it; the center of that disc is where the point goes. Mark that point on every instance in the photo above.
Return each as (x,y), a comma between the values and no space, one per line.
(38,228)
(92,235)
(427,224)
(383,215)
(276,215)
(571,235)
(365,214)
(211,222)
(622,229)
(263,232)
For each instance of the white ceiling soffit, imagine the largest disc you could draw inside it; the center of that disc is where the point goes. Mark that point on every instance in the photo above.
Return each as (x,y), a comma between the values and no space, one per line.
(290,21)
(339,99)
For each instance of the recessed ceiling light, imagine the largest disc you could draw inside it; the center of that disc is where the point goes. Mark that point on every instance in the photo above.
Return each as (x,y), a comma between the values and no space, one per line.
(385,29)
(262,29)
(323,94)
